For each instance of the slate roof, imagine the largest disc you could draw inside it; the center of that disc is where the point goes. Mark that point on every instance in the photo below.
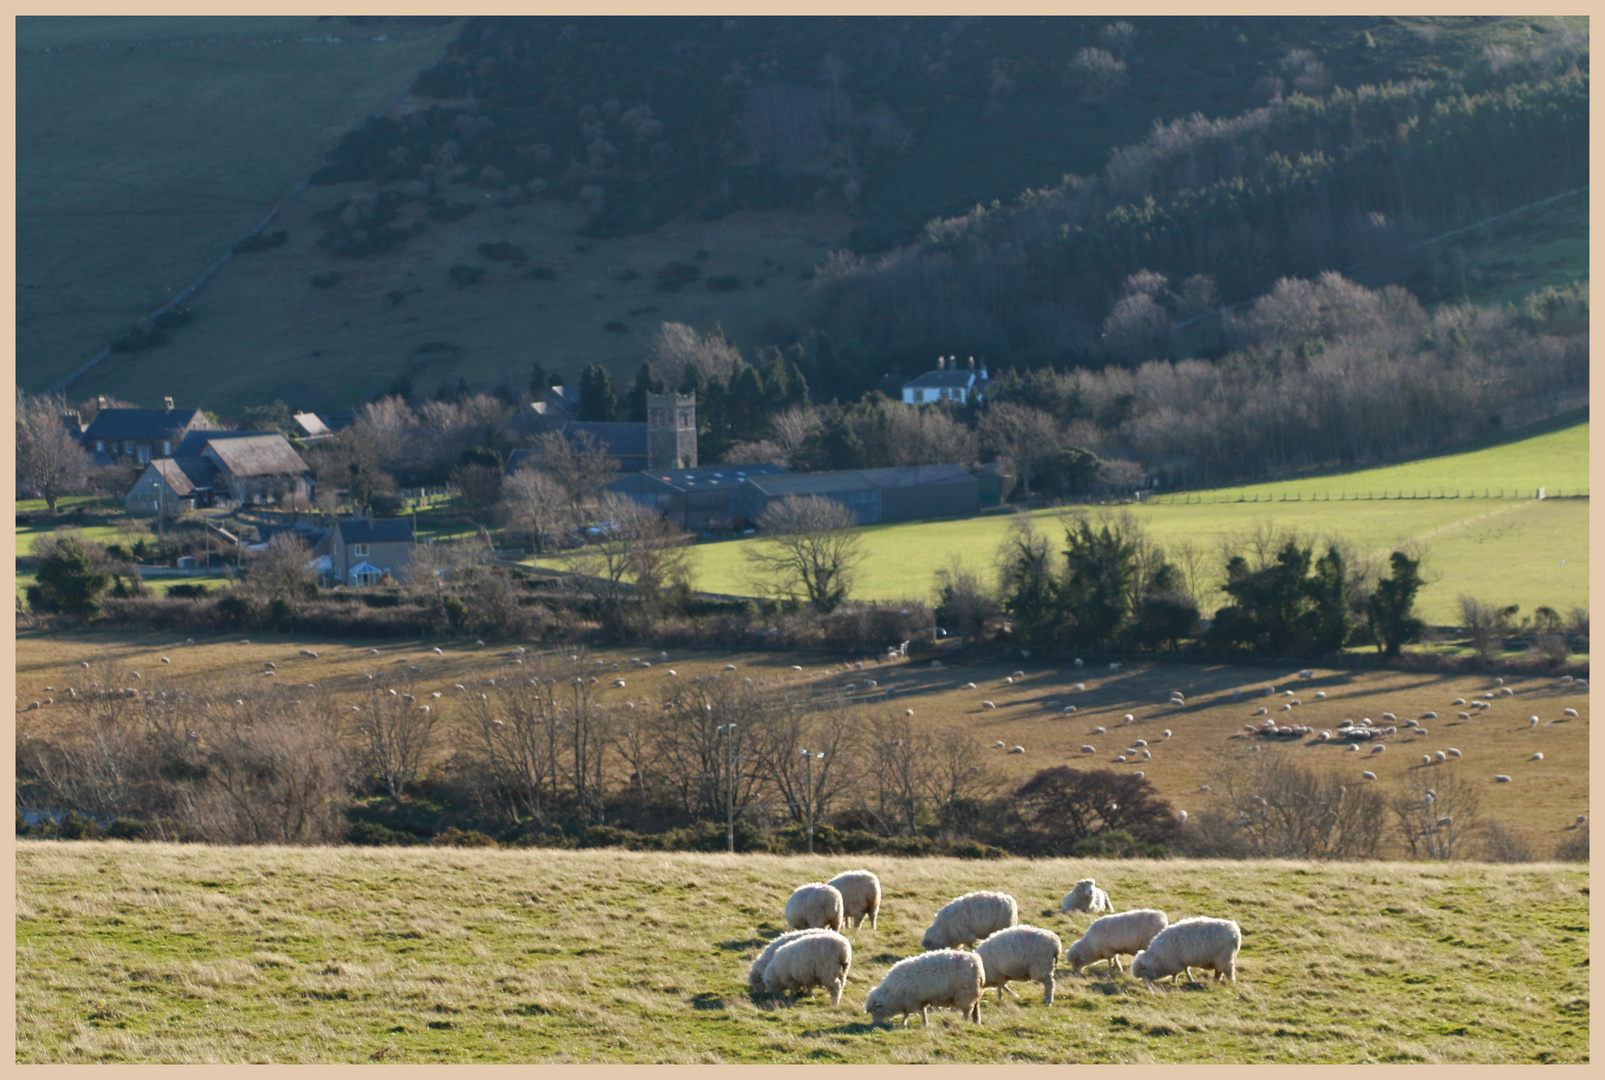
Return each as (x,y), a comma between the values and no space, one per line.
(709,477)
(312,425)
(620,440)
(941,380)
(194,442)
(185,476)
(383,531)
(259,455)
(143,423)
(828,483)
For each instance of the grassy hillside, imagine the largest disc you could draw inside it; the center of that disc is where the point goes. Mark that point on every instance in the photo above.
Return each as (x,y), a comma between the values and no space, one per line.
(1539,803)
(985,104)
(147,146)
(162,953)
(1506,551)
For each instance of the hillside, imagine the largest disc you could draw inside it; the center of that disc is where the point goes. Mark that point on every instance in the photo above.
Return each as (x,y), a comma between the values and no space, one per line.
(781,140)
(166,953)
(1502,549)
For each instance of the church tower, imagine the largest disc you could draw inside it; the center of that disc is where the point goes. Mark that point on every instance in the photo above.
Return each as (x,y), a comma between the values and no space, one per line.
(671,431)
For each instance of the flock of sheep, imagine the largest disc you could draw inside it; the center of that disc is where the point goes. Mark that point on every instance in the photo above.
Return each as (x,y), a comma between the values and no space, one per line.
(977,942)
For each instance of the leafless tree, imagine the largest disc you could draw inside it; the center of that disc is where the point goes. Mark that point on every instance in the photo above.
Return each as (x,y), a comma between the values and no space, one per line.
(636,550)
(1122,474)
(790,429)
(397,734)
(811,547)
(581,466)
(1285,810)
(1437,811)
(1020,432)
(1096,75)
(1485,625)
(49,460)
(535,504)
(280,572)
(677,345)
(703,760)
(515,734)
(829,731)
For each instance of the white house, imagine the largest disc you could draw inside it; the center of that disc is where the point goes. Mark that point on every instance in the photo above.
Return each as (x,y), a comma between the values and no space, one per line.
(948,382)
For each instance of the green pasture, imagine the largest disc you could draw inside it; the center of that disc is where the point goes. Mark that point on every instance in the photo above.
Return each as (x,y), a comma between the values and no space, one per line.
(188,953)
(147,146)
(1502,550)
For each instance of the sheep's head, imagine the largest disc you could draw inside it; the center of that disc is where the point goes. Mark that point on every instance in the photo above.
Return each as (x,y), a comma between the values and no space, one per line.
(931,940)
(1076,957)
(1142,965)
(879,1011)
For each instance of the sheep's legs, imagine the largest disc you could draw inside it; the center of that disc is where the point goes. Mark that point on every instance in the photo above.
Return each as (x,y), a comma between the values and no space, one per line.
(1047,990)
(925,1013)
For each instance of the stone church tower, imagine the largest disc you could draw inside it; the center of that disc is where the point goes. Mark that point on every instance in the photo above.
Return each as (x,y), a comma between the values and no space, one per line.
(671,431)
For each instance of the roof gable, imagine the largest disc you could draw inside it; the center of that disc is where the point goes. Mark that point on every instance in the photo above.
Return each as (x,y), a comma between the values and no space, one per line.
(258,455)
(144,423)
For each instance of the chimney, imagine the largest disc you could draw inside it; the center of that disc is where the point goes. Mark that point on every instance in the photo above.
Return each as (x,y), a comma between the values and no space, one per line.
(941,363)
(100,402)
(972,363)
(168,402)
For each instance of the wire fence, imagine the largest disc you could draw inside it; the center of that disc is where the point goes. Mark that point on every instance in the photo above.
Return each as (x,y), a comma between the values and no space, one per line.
(1193,498)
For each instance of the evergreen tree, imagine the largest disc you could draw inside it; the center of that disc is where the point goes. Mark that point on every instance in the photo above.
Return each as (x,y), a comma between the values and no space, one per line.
(539,379)
(69,582)
(796,386)
(598,402)
(745,403)
(646,382)
(1390,610)
(1096,596)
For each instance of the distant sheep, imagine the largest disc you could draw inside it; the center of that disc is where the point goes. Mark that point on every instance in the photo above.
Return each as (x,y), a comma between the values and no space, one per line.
(1199,942)
(1537,757)
(1320,695)
(1086,896)
(1368,775)
(969,919)
(1571,713)
(1099,731)
(1068,709)
(820,959)
(1452,752)
(946,979)
(988,705)
(1020,952)
(1128,718)
(1085,749)
(1428,715)
(815,905)
(861,896)
(1128,932)
(1439,756)
(1501,778)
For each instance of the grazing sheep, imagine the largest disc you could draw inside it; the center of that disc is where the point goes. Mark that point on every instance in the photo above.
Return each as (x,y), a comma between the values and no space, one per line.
(1201,942)
(755,974)
(945,979)
(1320,695)
(1571,713)
(1081,686)
(1129,718)
(1128,932)
(1100,730)
(999,745)
(970,918)
(1426,759)
(969,686)
(861,896)
(1261,711)
(1181,816)
(1439,756)
(166,661)
(1016,749)
(1354,747)
(1452,752)
(1458,701)
(1378,748)
(988,705)
(1086,896)
(1390,718)
(1020,952)
(1501,778)
(1537,757)
(818,959)
(1138,774)
(1166,733)
(1147,755)
(1068,709)
(1532,721)
(1120,758)
(1421,732)
(814,905)
(1085,749)
(1582,819)
(1078,661)
(1306,674)
(1368,776)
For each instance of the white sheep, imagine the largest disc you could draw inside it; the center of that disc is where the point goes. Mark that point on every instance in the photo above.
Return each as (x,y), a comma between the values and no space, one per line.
(1081,686)
(814,905)
(1320,695)
(1128,932)
(1439,756)
(1537,757)
(970,918)
(1086,896)
(1501,778)
(969,686)
(861,896)
(1016,749)
(1199,942)
(988,705)
(820,959)
(1085,749)
(1099,730)
(1166,733)
(1068,709)
(1452,752)
(755,974)
(1020,952)
(1368,775)
(1572,713)
(1138,774)
(1378,748)
(1129,718)
(1532,721)
(946,979)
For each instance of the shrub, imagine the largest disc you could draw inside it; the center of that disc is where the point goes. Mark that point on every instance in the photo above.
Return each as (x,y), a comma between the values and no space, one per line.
(451,836)
(189,592)
(373,834)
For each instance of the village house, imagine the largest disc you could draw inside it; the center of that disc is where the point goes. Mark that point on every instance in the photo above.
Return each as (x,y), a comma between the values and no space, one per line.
(140,435)
(948,382)
(360,551)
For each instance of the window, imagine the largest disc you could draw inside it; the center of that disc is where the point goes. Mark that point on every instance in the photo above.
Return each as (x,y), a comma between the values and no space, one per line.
(144,455)
(367,579)
(167,449)
(100,446)
(359,549)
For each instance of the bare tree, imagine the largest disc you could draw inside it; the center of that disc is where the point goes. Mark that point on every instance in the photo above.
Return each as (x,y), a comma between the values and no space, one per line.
(397,734)
(49,460)
(790,429)
(1485,625)
(1437,811)
(677,345)
(281,572)
(1284,810)
(811,546)
(1021,432)
(535,504)
(828,731)
(516,736)
(1096,75)
(636,549)
(581,466)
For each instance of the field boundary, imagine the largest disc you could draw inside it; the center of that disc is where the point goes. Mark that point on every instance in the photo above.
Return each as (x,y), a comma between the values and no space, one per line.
(1203,497)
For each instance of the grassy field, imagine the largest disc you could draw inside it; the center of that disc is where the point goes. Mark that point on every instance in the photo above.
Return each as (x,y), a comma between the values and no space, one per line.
(147,146)
(1505,551)
(1539,803)
(160,953)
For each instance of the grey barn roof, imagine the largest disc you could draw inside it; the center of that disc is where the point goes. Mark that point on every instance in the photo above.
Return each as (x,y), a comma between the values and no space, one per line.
(707,477)
(184,476)
(259,455)
(195,441)
(933,380)
(142,423)
(859,480)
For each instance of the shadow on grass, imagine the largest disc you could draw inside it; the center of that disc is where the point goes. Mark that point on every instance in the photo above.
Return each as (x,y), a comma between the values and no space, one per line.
(708,1001)
(737,944)
(858,1027)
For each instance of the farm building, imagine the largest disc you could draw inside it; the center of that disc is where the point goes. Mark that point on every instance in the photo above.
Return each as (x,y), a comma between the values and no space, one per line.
(361,551)
(140,435)
(220,469)
(873,495)
(698,500)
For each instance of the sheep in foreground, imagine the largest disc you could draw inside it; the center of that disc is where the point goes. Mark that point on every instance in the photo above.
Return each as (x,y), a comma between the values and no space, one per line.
(946,979)
(1128,932)
(1199,942)
(1086,896)
(818,959)
(1020,952)
(755,974)
(861,896)
(815,905)
(970,918)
